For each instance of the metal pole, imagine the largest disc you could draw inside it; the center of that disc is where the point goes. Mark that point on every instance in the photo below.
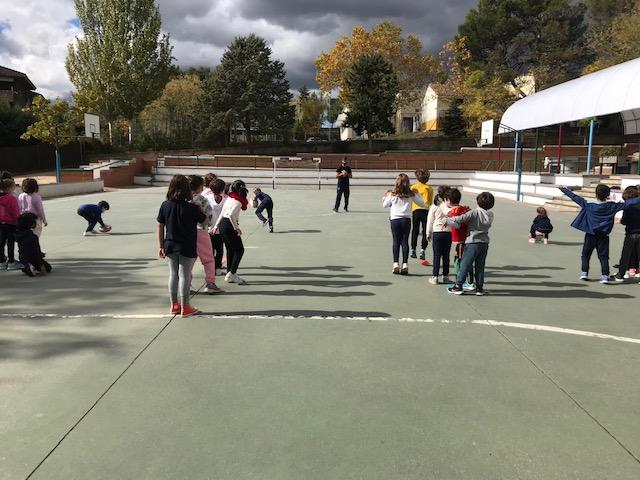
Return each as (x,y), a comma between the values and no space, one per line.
(499,160)
(559,147)
(519,191)
(535,166)
(58,160)
(592,124)
(515,156)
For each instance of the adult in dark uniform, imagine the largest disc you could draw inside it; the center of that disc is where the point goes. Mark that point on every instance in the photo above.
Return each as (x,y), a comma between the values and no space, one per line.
(343,174)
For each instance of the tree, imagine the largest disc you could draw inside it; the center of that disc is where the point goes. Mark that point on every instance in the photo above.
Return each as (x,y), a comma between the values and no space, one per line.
(616,40)
(371,90)
(252,88)
(511,38)
(122,61)
(311,114)
(453,124)
(13,123)
(56,122)
(303,94)
(485,97)
(334,110)
(174,114)
(413,67)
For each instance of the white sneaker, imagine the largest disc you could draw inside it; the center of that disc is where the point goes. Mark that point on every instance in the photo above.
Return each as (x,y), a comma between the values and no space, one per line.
(546,241)
(228,277)
(433,280)
(532,240)
(235,278)
(90,233)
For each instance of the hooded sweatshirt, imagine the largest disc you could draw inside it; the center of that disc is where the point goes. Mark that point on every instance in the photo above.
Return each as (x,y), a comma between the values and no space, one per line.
(29,247)
(596,218)
(478,222)
(9,209)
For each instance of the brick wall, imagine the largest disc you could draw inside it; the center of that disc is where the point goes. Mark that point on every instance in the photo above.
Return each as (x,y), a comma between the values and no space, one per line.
(75,176)
(123,176)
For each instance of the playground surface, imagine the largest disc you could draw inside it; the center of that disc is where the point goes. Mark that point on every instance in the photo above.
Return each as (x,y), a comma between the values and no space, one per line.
(325,366)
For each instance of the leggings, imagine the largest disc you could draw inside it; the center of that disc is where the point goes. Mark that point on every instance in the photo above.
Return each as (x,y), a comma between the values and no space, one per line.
(180,268)
(419,222)
(218,249)
(441,242)
(233,242)
(7,237)
(400,229)
(268,206)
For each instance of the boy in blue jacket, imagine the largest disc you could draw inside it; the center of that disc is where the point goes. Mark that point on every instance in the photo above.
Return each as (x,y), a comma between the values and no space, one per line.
(93,215)
(596,221)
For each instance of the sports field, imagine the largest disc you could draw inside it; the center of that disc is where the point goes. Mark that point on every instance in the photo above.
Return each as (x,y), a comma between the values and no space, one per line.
(325,366)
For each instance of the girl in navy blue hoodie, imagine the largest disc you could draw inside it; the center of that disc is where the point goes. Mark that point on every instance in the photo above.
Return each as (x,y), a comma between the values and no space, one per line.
(541,225)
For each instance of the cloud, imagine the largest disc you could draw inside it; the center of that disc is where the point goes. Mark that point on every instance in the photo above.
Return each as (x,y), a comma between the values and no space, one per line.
(34,34)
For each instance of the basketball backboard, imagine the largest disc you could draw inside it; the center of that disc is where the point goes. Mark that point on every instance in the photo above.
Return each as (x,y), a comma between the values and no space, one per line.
(91,126)
(487,133)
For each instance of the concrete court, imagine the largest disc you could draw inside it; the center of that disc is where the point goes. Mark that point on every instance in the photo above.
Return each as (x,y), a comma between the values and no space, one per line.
(96,381)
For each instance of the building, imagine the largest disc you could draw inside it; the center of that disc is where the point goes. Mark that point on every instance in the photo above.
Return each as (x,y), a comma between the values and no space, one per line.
(434,107)
(15,88)
(408,114)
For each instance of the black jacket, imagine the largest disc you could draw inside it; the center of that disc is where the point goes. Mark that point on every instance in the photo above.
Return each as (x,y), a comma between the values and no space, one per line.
(29,247)
(631,219)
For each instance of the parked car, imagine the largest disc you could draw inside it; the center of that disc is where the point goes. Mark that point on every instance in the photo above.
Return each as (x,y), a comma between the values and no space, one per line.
(314,140)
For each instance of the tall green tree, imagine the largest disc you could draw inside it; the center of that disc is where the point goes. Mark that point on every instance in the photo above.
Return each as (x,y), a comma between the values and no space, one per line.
(13,123)
(511,38)
(251,88)
(453,124)
(372,89)
(122,61)
(57,122)
(311,114)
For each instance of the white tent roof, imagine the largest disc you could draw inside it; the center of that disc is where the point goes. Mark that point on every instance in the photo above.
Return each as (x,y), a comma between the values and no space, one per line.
(612,90)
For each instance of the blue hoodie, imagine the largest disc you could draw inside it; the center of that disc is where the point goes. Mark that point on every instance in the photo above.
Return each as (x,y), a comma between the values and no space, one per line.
(596,218)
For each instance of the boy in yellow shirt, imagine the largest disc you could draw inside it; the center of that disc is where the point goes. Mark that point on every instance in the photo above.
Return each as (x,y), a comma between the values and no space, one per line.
(420,214)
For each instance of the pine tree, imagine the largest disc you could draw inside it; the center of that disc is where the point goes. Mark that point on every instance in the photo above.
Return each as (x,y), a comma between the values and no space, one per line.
(372,89)
(453,124)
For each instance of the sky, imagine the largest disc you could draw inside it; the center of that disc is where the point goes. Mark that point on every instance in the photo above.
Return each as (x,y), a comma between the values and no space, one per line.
(34,34)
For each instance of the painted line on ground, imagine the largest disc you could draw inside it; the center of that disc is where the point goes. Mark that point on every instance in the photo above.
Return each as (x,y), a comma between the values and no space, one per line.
(488,323)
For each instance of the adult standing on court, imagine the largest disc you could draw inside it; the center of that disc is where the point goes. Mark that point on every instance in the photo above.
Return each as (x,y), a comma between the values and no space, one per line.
(343,174)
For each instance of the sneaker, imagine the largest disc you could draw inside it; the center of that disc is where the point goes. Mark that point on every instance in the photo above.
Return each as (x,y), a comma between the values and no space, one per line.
(188,310)
(264,223)
(212,288)
(618,278)
(604,279)
(3,265)
(433,280)
(335,210)
(90,233)
(480,292)
(270,229)
(15,266)
(240,281)
(584,276)
(446,280)
(220,272)
(175,309)
(532,240)
(346,209)
(404,270)
(228,277)
(29,271)
(396,270)
(456,290)
(469,287)
(413,254)
(422,256)
(545,241)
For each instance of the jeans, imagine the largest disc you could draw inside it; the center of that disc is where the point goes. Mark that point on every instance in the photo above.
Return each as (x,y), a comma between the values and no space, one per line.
(457,259)
(345,192)
(474,255)
(217,243)
(7,237)
(180,268)
(233,242)
(600,243)
(419,222)
(268,206)
(91,219)
(441,242)
(630,253)
(400,229)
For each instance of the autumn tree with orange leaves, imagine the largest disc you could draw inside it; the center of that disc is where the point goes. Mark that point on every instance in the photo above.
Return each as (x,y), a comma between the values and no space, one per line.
(413,67)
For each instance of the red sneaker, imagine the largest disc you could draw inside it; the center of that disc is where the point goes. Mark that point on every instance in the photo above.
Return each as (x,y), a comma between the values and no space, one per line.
(188,310)
(175,308)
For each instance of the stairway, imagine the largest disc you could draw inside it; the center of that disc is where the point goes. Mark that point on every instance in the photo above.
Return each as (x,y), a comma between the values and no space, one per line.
(562,203)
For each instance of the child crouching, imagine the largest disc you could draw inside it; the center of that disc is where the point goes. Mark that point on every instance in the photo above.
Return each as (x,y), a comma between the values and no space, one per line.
(541,226)
(31,257)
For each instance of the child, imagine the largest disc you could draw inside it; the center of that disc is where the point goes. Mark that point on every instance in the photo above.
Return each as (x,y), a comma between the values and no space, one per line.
(93,215)
(9,212)
(458,235)
(31,256)
(541,226)
(631,247)
(216,198)
(229,227)
(204,248)
(476,247)
(596,221)
(208,180)
(30,201)
(419,213)
(440,235)
(177,242)
(400,199)
(266,203)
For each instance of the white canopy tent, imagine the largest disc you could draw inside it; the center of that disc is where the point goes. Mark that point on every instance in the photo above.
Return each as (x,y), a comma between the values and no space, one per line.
(612,90)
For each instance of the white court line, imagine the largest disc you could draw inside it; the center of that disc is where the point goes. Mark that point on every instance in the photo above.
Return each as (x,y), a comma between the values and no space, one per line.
(488,323)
